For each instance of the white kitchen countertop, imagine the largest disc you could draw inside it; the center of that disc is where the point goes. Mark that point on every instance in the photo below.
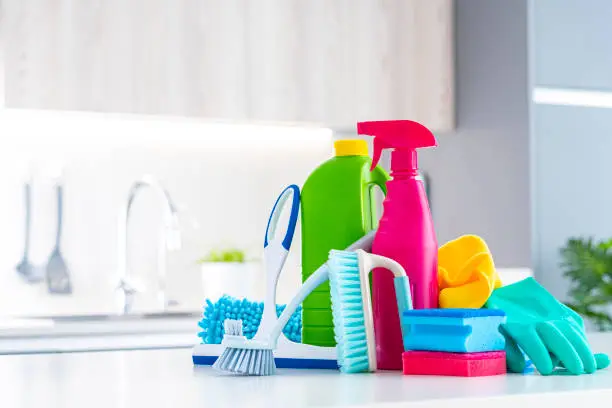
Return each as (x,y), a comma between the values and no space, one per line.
(38,327)
(20,336)
(85,343)
(167,378)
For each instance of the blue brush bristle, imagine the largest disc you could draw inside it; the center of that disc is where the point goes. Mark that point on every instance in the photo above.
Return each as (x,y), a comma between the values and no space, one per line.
(249,312)
(347,312)
(244,361)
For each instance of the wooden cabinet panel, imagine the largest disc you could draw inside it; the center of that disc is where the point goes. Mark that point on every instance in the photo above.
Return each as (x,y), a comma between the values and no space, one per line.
(325,61)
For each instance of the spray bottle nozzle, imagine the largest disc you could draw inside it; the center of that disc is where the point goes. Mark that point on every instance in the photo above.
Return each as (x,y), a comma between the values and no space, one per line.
(396,134)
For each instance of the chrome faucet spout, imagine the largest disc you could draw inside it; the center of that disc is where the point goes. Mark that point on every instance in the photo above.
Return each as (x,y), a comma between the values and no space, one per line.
(170,239)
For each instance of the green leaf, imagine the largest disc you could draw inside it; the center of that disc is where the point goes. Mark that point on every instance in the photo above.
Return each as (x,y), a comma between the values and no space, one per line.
(588,265)
(226,255)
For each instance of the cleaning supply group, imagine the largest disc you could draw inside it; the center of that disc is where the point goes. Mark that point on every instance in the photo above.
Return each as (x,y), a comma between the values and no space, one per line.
(386,297)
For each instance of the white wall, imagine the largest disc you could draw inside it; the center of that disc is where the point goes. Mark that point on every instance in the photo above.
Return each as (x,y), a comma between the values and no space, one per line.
(480,172)
(224,179)
(2,96)
(570,138)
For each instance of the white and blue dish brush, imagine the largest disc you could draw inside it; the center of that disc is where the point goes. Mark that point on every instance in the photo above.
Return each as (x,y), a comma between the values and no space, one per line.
(239,352)
(352,306)
(243,361)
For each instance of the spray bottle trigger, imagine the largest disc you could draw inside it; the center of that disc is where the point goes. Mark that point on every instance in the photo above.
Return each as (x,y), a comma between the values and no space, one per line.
(378,147)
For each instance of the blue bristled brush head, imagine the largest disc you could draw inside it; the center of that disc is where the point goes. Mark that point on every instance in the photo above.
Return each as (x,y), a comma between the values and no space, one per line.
(348,314)
(243,360)
(227,307)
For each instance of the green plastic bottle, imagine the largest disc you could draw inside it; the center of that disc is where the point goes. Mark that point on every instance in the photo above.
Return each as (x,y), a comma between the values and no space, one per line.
(338,208)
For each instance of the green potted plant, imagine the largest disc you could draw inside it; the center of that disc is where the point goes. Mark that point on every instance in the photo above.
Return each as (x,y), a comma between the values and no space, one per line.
(229,271)
(588,265)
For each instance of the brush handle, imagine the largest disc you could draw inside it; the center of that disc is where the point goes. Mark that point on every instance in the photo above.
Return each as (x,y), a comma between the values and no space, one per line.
(276,250)
(401,281)
(402,293)
(274,259)
(377,261)
(404,299)
(317,278)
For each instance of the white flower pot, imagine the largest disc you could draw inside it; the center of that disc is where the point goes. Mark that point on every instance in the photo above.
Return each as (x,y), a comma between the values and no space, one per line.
(237,279)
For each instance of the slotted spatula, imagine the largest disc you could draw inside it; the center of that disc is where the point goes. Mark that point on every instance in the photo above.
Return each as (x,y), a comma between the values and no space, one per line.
(57,275)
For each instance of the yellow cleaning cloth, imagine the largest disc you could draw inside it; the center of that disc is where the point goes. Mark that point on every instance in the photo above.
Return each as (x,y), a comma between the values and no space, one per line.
(466,273)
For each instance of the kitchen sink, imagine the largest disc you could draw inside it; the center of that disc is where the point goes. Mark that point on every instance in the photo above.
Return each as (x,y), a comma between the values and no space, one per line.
(106,324)
(120,318)
(99,332)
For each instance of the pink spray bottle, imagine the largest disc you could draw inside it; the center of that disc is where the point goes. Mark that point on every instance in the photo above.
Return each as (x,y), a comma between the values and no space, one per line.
(405,234)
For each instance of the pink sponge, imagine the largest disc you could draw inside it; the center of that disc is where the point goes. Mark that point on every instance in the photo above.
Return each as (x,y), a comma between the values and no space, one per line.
(454,364)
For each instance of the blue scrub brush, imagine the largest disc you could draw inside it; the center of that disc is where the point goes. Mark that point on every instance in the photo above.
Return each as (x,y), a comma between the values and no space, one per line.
(352,305)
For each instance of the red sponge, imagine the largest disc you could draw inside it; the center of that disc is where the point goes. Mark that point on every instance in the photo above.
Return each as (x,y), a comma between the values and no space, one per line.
(454,364)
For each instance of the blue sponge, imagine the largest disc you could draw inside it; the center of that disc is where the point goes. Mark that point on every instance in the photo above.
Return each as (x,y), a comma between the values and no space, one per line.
(453,330)
(249,312)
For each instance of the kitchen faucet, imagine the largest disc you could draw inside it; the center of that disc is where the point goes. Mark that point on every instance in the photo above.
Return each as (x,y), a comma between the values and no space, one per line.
(170,240)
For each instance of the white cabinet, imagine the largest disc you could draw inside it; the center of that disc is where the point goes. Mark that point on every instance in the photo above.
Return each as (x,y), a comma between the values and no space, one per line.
(325,61)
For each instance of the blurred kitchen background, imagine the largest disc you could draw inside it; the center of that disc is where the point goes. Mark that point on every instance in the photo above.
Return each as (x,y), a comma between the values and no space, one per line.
(223,103)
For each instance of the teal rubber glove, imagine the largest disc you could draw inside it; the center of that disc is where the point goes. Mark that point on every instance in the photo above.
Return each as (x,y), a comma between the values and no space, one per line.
(548,332)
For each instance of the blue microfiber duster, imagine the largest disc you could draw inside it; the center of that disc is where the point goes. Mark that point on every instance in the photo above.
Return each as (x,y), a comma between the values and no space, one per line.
(249,312)
(453,330)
